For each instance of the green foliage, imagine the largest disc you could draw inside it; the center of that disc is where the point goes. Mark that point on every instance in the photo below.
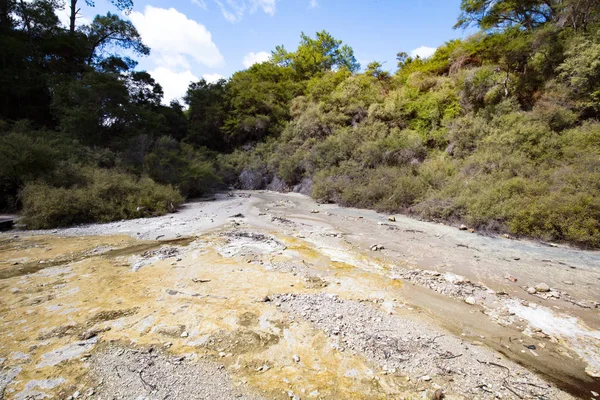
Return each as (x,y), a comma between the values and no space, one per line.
(258,102)
(24,158)
(207,113)
(102,196)
(111,32)
(581,72)
(502,13)
(319,55)
(180,165)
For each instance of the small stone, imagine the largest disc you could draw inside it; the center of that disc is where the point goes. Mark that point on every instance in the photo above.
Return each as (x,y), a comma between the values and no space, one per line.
(76,394)
(511,278)
(568,282)
(263,368)
(470,300)
(184,334)
(595,394)
(315,211)
(391,218)
(90,392)
(531,290)
(594,373)
(542,288)
(425,378)
(506,236)
(439,395)
(296,358)
(463,227)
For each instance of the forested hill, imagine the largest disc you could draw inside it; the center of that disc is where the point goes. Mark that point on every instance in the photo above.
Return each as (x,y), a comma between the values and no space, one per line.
(498,131)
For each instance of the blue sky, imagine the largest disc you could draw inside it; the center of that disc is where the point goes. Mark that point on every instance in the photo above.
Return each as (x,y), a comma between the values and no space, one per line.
(214,38)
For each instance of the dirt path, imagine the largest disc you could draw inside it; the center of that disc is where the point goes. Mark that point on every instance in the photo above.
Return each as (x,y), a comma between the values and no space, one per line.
(271,296)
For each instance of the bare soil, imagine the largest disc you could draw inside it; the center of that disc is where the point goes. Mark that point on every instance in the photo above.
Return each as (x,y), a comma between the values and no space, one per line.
(260,295)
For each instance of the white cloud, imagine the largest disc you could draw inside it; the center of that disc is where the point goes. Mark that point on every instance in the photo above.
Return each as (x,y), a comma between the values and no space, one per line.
(176,42)
(254,58)
(212,78)
(234,10)
(174,84)
(423,52)
(267,6)
(175,39)
(313,3)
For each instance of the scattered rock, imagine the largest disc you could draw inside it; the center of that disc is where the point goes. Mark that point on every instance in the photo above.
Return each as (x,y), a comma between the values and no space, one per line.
(391,218)
(438,395)
(470,300)
(184,335)
(314,211)
(463,227)
(376,247)
(542,288)
(531,290)
(296,358)
(511,278)
(506,236)
(137,373)
(568,283)
(93,332)
(425,378)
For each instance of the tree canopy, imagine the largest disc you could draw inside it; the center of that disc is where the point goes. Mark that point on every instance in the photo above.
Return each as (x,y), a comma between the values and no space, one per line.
(318,55)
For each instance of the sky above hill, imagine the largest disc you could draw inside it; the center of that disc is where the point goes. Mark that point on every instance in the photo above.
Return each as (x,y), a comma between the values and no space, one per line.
(191,39)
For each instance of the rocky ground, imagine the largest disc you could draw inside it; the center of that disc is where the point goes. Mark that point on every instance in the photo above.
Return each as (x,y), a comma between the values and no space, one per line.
(261,295)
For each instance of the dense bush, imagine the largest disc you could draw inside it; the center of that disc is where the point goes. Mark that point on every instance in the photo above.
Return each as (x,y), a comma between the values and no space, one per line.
(101,196)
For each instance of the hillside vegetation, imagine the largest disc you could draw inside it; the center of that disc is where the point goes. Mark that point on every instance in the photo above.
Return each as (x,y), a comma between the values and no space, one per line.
(499,131)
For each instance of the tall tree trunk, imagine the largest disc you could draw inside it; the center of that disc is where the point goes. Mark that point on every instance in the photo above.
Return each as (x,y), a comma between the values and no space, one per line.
(25,17)
(73,15)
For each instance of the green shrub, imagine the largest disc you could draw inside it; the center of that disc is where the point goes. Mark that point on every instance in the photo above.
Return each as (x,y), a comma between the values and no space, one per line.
(105,195)
(181,165)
